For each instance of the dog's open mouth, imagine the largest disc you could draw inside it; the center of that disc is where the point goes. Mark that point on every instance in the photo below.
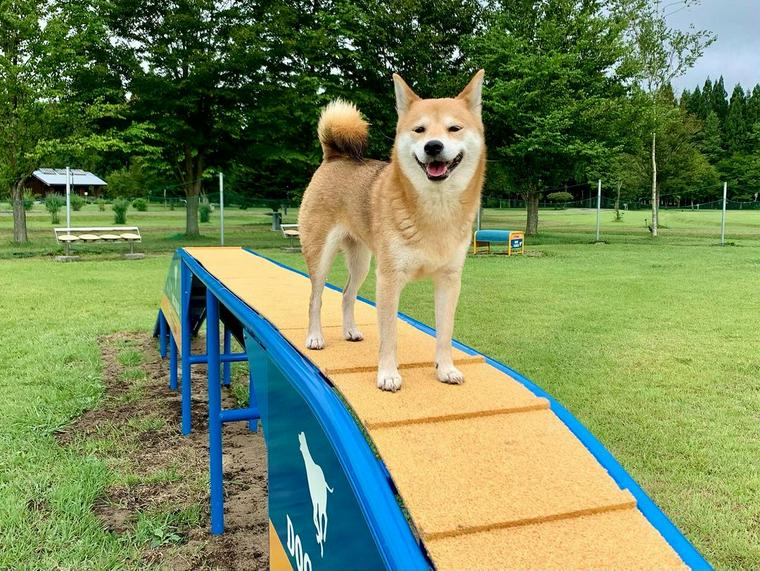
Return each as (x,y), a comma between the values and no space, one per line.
(439,170)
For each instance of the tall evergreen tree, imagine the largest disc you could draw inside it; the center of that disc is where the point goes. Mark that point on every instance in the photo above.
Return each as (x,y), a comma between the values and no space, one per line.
(719,100)
(736,127)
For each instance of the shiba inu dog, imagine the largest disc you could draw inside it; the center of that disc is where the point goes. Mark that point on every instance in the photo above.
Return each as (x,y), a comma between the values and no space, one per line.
(415,213)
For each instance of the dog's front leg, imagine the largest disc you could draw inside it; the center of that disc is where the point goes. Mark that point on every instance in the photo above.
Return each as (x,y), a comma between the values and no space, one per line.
(389,288)
(447,285)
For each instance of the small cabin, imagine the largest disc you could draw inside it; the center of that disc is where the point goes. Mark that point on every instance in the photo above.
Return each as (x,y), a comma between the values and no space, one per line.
(45,181)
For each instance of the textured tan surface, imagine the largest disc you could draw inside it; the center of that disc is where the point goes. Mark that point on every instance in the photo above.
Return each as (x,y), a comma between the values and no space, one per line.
(423,398)
(490,477)
(621,539)
(415,349)
(494,471)
(282,294)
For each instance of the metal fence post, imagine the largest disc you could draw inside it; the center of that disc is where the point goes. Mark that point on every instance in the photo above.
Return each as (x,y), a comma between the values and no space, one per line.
(598,208)
(723,216)
(221,206)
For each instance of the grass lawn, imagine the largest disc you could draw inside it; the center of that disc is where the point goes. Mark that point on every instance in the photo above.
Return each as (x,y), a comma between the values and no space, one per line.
(654,346)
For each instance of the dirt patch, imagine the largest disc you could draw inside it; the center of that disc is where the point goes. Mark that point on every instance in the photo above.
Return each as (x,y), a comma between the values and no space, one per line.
(160,496)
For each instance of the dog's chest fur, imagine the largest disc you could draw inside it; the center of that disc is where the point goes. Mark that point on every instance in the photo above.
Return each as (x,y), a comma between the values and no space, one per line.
(421,233)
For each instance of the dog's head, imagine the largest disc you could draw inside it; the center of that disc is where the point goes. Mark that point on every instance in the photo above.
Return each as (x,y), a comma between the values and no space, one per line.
(439,142)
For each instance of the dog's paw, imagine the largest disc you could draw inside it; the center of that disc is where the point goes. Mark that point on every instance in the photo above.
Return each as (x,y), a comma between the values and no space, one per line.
(353,334)
(450,375)
(315,341)
(388,380)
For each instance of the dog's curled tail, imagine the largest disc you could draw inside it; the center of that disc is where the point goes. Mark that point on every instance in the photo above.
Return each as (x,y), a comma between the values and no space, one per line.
(342,131)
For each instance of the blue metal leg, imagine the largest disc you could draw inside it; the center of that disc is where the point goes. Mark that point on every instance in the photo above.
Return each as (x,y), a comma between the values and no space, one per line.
(186,279)
(214,414)
(172,363)
(162,334)
(227,378)
(253,424)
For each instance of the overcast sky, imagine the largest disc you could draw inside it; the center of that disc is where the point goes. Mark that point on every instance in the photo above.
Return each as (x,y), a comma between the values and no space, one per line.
(735,54)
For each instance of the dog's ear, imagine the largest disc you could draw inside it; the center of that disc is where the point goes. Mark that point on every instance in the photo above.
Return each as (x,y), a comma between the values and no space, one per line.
(404,95)
(471,93)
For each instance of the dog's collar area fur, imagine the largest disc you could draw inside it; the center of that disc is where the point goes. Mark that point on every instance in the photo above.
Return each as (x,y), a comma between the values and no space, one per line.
(450,166)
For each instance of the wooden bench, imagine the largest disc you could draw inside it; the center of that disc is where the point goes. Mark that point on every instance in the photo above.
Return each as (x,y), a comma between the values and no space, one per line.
(290,231)
(94,234)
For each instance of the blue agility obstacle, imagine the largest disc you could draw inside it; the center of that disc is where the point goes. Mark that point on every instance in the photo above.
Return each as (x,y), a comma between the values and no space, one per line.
(513,241)
(333,500)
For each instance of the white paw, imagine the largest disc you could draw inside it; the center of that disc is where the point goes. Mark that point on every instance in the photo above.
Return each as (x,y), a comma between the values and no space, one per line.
(353,334)
(315,341)
(450,374)
(388,380)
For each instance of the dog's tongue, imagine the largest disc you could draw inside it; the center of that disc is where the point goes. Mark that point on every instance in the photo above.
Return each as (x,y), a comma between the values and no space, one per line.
(436,168)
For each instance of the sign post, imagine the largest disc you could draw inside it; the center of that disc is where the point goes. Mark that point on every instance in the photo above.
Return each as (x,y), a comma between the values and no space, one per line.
(68,197)
(598,208)
(221,205)
(723,216)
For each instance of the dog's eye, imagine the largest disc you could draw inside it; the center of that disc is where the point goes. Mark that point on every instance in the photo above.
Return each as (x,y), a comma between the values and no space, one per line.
(419,129)
(454,128)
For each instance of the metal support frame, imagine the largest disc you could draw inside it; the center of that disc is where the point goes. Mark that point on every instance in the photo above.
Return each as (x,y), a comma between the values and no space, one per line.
(219,366)
(227,376)
(172,363)
(214,413)
(162,333)
(186,284)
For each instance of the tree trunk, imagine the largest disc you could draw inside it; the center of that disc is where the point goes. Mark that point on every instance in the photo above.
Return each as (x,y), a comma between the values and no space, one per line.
(617,201)
(531,204)
(191,227)
(655,198)
(20,235)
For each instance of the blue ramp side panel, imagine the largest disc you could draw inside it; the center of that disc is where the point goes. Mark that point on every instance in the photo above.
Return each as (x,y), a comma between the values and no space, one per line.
(312,506)
(315,446)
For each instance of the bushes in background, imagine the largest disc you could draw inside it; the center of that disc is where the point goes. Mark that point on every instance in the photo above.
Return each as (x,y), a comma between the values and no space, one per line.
(53,204)
(120,207)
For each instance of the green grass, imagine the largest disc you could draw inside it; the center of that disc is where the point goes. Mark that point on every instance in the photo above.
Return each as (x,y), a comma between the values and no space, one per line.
(654,346)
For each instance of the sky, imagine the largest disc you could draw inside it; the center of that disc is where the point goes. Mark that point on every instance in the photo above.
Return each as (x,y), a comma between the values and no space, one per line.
(735,54)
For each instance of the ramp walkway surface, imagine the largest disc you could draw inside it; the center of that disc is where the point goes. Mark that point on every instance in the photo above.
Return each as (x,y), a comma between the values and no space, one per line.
(488,475)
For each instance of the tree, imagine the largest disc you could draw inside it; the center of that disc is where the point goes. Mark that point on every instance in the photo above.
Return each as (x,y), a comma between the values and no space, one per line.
(662,54)
(552,90)
(736,128)
(24,118)
(188,73)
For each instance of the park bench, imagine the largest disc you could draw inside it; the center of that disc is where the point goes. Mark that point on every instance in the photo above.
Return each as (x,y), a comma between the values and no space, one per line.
(290,231)
(104,235)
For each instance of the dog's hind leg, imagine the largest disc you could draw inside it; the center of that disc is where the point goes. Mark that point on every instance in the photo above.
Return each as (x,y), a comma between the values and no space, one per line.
(357,262)
(319,267)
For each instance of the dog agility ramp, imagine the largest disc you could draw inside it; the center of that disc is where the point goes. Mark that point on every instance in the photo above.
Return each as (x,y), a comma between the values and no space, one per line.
(487,475)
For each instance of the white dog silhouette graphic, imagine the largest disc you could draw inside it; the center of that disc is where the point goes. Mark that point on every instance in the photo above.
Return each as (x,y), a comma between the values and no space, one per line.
(318,489)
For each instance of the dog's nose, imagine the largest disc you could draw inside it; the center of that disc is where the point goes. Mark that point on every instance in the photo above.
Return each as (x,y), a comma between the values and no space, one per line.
(433,147)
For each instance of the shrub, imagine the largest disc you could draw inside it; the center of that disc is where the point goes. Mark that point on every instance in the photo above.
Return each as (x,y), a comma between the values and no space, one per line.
(101,204)
(204,210)
(77,202)
(53,203)
(120,206)
(140,204)
(28,201)
(559,197)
